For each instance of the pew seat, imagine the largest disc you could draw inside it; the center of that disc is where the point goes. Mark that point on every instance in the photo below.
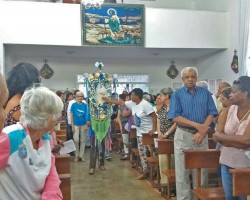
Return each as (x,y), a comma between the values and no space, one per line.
(198,159)
(216,193)
(166,146)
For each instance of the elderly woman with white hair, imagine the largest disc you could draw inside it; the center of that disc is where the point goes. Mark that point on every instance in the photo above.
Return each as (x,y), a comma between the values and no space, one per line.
(27,167)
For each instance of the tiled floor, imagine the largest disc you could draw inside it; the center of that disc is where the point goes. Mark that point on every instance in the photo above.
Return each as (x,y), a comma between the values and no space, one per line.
(117,182)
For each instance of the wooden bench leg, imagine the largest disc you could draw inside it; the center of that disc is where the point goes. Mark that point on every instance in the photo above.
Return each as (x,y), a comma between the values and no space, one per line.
(65,186)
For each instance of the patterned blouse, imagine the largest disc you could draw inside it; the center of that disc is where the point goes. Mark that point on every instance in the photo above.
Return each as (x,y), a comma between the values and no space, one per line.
(9,120)
(165,124)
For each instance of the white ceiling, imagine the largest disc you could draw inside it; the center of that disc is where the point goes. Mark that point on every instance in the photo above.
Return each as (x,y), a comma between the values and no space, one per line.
(104,52)
(209,5)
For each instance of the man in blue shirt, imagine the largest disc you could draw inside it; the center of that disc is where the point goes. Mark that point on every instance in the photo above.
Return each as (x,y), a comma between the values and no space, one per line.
(193,110)
(80,120)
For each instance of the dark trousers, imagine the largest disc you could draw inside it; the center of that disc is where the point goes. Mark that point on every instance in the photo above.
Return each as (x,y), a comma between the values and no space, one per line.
(94,151)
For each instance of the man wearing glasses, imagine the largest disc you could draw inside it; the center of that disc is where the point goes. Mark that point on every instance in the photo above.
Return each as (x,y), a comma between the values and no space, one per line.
(80,120)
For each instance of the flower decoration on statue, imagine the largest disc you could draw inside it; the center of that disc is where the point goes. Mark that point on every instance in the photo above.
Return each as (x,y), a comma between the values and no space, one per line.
(99,65)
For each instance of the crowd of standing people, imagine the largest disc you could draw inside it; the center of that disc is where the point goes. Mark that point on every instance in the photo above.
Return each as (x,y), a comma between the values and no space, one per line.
(186,115)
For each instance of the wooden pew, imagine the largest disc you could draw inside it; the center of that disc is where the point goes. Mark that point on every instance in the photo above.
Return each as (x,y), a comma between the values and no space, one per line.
(166,146)
(65,186)
(241,182)
(153,161)
(210,134)
(63,127)
(62,163)
(211,143)
(61,135)
(134,150)
(198,159)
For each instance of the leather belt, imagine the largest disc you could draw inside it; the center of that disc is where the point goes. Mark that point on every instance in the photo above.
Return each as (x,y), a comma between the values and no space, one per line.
(193,131)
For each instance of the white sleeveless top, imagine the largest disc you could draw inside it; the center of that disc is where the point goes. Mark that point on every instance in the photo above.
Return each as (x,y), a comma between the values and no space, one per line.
(231,156)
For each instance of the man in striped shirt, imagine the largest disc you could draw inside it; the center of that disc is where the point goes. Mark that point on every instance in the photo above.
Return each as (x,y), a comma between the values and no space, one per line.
(192,109)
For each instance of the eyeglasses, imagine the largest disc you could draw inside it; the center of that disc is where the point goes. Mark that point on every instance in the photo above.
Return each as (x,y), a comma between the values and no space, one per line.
(79,96)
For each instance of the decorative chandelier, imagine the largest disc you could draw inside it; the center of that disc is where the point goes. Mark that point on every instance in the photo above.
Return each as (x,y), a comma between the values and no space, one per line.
(92,3)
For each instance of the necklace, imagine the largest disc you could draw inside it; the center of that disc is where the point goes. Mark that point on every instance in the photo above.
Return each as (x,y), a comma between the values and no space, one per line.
(244,116)
(240,123)
(242,120)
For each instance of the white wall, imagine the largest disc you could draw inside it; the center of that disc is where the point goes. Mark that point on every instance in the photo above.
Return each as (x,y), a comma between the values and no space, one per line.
(167,28)
(2,58)
(40,23)
(219,64)
(66,69)
(59,24)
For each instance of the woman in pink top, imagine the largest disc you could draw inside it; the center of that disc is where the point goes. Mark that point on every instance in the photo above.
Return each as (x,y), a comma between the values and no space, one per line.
(233,132)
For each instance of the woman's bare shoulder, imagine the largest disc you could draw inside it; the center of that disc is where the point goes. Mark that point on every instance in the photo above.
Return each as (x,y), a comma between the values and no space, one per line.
(13,102)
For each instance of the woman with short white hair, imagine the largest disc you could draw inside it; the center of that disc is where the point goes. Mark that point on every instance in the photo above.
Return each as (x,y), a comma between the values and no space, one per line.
(27,167)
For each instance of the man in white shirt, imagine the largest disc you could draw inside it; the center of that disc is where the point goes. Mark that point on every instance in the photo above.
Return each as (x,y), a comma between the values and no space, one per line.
(70,133)
(145,121)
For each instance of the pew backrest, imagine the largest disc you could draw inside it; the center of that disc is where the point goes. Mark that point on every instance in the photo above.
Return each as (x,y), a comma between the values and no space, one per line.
(165,146)
(198,159)
(241,181)
(62,163)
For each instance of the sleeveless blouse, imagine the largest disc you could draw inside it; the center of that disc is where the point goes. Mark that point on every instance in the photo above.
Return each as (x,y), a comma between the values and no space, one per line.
(9,120)
(231,156)
(165,123)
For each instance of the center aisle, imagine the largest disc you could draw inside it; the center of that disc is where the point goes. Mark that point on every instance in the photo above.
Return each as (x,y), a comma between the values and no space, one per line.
(118,181)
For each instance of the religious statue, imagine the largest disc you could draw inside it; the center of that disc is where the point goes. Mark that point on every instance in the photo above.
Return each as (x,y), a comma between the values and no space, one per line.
(99,85)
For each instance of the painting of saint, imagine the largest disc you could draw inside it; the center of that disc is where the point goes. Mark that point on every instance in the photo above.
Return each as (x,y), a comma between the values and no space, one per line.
(113,25)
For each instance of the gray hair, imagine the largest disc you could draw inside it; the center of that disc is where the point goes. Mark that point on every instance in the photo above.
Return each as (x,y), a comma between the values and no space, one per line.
(148,98)
(189,69)
(79,93)
(37,105)
(168,91)
(203,84)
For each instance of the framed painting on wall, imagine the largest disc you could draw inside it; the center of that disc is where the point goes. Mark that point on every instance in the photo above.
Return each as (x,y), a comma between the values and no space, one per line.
(113,25)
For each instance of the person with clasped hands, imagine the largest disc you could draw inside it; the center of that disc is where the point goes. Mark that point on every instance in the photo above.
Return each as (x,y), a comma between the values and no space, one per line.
(233,132)
(27,166)
(192,109)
